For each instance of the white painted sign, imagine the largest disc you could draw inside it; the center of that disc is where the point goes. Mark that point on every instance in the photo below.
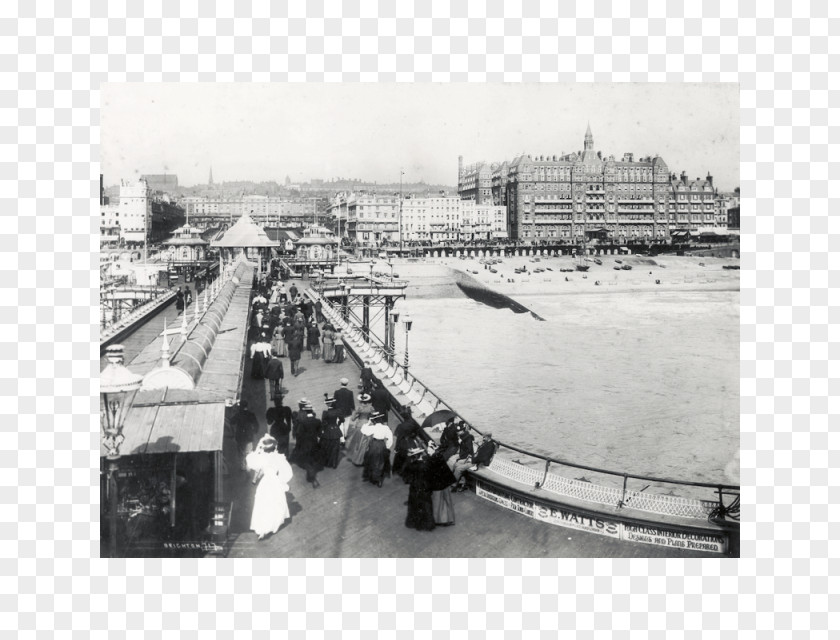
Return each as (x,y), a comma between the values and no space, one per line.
(572,520)
(677,539)
(602,526)
(506,500)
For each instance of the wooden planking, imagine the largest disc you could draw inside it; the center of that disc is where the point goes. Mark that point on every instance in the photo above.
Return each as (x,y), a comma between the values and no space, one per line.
(212,426)
(167,432)
(137,429)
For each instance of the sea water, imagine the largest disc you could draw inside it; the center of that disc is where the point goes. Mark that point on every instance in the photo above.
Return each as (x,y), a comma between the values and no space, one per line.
(638,382)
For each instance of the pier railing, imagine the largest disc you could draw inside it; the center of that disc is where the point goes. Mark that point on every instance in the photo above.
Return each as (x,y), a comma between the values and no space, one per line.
(608,488)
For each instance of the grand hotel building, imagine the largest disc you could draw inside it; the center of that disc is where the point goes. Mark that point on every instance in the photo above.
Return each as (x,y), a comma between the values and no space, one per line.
(563,198)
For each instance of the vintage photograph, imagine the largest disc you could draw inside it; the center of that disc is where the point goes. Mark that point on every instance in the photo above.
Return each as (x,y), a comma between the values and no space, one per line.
(419,320)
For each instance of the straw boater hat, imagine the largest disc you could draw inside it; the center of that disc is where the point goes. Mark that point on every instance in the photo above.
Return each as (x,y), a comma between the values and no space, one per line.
(344,382)
(329,399)
(364,397)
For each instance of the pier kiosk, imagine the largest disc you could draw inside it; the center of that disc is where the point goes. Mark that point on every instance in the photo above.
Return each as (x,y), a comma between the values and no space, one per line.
(245,240)
(172,459)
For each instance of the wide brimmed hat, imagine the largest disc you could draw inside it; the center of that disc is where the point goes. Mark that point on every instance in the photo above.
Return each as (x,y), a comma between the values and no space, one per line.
(364,397)
(329,400)
(303,402)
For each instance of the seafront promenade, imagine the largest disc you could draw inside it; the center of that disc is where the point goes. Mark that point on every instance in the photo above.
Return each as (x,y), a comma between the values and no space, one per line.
(346,517)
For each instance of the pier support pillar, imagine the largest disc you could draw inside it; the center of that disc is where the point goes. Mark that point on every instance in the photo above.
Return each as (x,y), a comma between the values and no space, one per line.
(366,317)
(389,327)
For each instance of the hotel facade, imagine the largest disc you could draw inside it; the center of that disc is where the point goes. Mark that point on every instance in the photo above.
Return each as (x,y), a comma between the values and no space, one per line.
(570,197)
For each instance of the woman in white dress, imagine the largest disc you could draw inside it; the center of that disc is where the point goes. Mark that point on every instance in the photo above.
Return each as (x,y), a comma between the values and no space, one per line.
(272,476)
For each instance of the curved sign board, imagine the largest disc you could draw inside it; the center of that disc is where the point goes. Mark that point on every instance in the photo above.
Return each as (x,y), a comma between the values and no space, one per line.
(571,519)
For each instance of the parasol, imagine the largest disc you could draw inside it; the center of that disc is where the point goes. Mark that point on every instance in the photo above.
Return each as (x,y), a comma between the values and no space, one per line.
(437,417)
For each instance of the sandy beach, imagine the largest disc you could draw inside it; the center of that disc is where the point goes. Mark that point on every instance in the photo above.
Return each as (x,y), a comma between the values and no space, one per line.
(662,273)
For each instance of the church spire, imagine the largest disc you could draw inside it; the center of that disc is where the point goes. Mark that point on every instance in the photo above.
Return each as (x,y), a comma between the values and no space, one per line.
(588,141)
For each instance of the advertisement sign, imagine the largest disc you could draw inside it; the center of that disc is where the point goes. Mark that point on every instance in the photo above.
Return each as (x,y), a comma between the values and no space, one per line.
(687,540)
(506,500)
(572,520)
(564,517)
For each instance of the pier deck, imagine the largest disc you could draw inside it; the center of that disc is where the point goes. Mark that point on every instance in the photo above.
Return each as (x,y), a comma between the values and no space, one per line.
(346,517)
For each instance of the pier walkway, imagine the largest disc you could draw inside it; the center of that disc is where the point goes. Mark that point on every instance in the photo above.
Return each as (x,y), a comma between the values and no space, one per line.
(346,517)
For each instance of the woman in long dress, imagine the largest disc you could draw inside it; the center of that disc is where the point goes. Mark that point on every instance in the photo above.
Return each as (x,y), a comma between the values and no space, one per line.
(420,513)
(360,415)
(356,442)
(273,474)
(378,456)
(440,478)
(327,339)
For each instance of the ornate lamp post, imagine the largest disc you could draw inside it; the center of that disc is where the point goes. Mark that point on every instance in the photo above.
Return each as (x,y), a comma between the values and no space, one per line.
(345,311)
(392,347)
(118,386)
(407,322)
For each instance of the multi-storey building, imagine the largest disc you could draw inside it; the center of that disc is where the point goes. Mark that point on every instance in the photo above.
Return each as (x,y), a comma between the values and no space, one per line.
(138,214)
(367,218)
(482,221)
(475,182)
(692,203)
(432,219)
(373,219)
(134,211)
(583,195)
(204,211)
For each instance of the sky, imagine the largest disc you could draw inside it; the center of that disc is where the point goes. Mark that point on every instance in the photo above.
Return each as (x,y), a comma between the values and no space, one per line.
(264,132)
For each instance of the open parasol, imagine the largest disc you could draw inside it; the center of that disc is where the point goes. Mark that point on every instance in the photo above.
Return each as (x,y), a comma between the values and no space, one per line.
(437,417)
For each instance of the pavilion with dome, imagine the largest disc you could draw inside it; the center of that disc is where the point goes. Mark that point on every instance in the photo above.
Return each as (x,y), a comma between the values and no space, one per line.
(245,239)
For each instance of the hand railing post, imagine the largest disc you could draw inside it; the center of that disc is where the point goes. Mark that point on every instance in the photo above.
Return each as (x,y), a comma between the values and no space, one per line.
(623,492)
(539,485)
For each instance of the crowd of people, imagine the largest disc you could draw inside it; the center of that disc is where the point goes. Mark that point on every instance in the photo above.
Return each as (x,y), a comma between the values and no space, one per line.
(285,324)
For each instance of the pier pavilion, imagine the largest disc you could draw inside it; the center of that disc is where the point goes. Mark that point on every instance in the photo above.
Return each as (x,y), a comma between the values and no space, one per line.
(245,239)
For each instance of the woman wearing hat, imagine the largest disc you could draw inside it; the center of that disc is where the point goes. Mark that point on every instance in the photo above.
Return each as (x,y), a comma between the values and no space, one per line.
(420,513)
(440,478)
(331,420)
(359,416)
(378,455)
(273,474)
(357,442)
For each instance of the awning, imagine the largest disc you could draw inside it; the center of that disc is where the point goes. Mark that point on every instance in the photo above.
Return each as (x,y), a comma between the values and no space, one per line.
(173,428)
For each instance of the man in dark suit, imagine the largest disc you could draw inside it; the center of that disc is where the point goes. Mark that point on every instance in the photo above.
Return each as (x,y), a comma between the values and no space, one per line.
(344,402)
(381,399)
(308,433)
(368,380)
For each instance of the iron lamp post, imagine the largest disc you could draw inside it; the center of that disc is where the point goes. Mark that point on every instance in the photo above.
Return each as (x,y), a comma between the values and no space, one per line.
(395,318)
(407,322)
(118,386)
